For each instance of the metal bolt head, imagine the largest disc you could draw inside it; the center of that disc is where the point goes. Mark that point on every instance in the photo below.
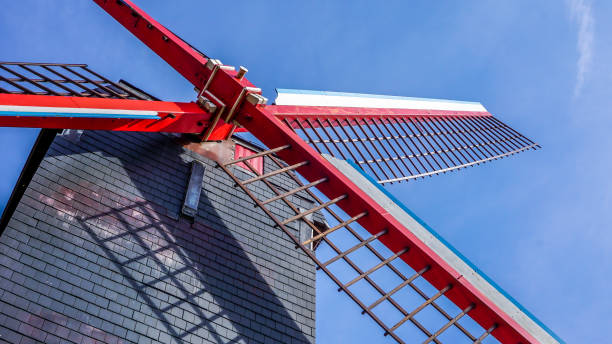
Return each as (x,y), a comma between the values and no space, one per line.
(252,98)
(241,72)
(206,104)
(256,99)
(210,107)
(211,63)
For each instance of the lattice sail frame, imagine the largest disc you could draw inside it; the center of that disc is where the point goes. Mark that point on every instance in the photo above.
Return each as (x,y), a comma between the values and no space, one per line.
(227,101)
(335,237)
(410,138)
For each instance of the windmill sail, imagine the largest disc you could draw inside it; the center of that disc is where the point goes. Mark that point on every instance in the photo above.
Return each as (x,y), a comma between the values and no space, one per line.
(72,96)
(398,138)
(392,138)
(426,267)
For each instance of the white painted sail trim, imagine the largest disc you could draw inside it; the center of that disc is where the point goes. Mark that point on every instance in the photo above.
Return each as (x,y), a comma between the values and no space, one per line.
(342,99)
(527,321)
(49,111)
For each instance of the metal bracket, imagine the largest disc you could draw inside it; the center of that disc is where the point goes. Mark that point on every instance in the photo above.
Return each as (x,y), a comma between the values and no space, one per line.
(212,104)
(256,99)
(245,91)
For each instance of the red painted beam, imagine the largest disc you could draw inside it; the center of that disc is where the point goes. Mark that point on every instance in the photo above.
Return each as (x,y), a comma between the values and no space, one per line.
(266,126)
(173,117)
(178,54)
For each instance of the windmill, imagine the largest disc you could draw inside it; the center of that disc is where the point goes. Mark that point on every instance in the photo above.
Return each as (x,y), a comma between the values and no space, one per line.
(338,148)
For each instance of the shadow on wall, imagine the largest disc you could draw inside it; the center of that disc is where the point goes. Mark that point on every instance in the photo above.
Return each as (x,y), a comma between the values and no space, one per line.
(182,282)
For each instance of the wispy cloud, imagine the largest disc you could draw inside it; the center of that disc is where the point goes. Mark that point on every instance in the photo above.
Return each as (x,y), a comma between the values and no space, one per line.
(582,15)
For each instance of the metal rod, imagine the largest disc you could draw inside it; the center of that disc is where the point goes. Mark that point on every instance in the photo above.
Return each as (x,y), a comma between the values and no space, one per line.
(342,287)
(455,135)
(365,146)
(335,228)
(312,210)
(459,166)
(299,122)
(289,125)
(511,131)
(450,323)
(428,153)
(376,267)
(322,126)
(500,143)
(78,83)
(379,256)
(42,87)
(372,143)
(482,135)
(273,173)
(356,247)
(418,309)
(381,143)
(391,125)
(43,80)
(314,130)
(451,122)
(488,130)
(127,91)
(296,190)
(473,135)
(16,85)
(486,334)
(257,155)
(359,151)
(421,139)
(401,125)
(43,64)
(98,84)
(392,146)
(449,138)
(350,262)
(429,138)
(399,286)
(344,144)
(497,133)
(309,253)
(52,81)
(440,138)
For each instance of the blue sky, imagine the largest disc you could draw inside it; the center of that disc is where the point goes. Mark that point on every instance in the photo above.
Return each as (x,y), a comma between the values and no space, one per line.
(537,223)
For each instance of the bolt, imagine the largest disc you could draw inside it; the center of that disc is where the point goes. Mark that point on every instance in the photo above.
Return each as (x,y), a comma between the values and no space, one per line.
(210,107)
(241,72)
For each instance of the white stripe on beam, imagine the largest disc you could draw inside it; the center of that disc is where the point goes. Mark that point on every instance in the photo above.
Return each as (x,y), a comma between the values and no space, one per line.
(325,98)
(49,111)
(449,254)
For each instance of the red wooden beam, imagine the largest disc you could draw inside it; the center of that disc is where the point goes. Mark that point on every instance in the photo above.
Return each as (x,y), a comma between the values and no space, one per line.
(18,110)
(178,54)
(273,133)
(191,64)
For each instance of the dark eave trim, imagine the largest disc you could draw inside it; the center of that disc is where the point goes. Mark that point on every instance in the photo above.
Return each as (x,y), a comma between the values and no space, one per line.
(38,152)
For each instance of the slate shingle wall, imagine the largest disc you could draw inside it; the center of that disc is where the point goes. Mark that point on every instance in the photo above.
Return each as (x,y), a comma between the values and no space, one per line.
(96,251)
